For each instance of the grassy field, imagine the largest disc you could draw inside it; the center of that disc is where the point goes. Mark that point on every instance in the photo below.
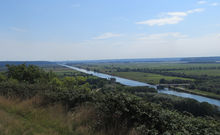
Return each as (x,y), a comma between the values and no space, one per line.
(209,72)
(167,65)
(146,77)
(158,65)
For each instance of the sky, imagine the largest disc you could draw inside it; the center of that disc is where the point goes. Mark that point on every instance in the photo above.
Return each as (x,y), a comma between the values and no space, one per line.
(57,30)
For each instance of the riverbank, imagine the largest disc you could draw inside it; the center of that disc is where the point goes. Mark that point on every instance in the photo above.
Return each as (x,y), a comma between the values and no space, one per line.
(129,82)
(196,92)
(155,81)
(179,89)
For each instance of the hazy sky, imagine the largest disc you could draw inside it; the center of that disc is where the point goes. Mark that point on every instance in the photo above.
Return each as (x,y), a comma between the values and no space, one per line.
(108,29)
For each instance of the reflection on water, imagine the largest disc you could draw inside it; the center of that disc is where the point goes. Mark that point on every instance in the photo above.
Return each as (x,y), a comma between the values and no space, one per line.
(136,83)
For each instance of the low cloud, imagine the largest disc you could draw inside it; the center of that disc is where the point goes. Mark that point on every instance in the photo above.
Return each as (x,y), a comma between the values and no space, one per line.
(214,4)
(177,13)
(197,10)
(170,18)
(202,2)
(162,21)
(171,35)
(18,29)
(206,2)
(107,35)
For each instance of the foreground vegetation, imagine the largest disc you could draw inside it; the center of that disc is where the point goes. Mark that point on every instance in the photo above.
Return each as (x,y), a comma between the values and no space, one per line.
(37,102)
(27,117)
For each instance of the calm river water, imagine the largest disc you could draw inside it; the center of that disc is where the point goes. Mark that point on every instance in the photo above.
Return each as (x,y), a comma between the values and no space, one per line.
(129,82)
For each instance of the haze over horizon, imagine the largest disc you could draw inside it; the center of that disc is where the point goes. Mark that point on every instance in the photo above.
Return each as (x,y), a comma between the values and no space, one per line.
(56,30)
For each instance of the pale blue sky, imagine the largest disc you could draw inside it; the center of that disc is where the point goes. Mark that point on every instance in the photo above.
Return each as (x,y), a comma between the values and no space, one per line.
(108,29)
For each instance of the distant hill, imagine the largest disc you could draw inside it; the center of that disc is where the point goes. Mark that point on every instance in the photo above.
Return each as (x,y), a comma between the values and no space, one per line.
(38,63)
(185,60)
(126,60)
(201,59)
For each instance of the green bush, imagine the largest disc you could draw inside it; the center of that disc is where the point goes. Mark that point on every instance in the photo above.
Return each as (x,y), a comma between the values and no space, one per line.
(121,111)
(2,77)
(181,104)
(29,74)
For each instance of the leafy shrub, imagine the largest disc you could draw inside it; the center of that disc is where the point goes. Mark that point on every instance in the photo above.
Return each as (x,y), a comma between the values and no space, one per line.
(68,97)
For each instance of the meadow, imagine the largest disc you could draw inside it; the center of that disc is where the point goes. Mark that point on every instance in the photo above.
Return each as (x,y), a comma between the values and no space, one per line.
(208,72)
(147,77)
(153,65)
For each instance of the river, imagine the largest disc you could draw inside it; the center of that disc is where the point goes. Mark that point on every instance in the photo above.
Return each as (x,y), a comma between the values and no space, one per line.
(129,82)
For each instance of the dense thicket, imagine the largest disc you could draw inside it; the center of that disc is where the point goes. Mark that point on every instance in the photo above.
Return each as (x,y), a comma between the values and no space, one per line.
(188,105)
